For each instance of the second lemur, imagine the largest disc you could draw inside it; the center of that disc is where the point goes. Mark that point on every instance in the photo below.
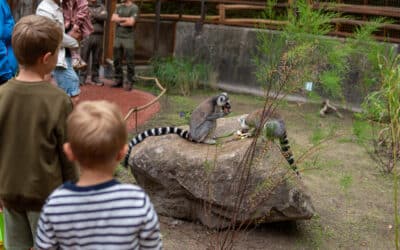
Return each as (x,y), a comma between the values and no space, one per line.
(203,122)
(273,127)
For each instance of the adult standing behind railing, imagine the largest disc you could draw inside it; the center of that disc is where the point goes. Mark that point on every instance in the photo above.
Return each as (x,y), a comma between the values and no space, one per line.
(94,43)
(125,19)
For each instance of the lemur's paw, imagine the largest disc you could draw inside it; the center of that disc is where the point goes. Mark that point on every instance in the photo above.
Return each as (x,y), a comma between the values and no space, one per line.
(242,135)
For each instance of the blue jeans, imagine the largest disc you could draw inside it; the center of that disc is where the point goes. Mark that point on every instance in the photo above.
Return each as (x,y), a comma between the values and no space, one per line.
(67,79)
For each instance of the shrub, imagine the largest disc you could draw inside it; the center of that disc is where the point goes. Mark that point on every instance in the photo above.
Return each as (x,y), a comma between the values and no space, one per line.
(181,75)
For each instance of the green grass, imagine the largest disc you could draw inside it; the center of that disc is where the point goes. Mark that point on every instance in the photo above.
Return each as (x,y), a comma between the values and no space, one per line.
(346,181)
(315,234)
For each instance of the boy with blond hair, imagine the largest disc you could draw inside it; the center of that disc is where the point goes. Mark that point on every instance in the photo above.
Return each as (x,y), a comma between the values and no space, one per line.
(97,212)
(33,115)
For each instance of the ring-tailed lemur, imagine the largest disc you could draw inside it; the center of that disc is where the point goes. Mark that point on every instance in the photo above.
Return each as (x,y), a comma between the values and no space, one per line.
(203,122)
(273,128)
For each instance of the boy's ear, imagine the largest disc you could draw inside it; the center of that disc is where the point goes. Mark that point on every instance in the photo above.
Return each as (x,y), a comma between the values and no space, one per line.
(68,151)
(45,58)
(122,152)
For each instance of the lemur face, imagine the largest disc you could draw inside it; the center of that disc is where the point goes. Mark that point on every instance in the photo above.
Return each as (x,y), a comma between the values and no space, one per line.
(223,102)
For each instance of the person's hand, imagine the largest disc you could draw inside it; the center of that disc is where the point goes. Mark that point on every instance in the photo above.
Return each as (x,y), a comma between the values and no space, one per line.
(116,18)
(67,24)
(75,34)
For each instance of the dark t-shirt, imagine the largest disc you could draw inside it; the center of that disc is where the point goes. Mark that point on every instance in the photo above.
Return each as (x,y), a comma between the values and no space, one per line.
(126,11)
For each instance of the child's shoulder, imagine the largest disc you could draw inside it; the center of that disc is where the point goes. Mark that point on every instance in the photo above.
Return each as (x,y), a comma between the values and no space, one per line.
(52,89)
(130,187)
(57,193)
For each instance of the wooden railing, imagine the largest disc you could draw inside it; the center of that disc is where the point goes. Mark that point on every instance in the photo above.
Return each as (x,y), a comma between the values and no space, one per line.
(224,6)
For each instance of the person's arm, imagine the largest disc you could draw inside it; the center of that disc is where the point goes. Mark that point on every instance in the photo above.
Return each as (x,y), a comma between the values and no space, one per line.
(115,18)
(81,14)
(149,235)
(69,42)
(127,21)
(68,169)
(43,12)
(8,25)
(101,15)
(131,20)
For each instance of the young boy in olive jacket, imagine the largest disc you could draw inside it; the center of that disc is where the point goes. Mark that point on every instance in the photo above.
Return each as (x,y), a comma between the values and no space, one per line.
(33,115)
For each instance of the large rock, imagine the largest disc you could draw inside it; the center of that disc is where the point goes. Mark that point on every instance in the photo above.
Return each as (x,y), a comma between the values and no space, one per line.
(215,183)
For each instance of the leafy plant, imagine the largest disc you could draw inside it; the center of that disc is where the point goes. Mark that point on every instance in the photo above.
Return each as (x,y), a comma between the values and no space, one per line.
(390,74)
(362,131)
(301,54)
(382,109)
(364,51)
(181,75)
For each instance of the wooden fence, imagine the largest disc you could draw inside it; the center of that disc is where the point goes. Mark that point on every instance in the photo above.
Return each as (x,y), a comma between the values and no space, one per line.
(359,12)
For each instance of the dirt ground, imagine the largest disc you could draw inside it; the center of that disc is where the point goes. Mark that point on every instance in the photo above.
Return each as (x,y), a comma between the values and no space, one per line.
(352,197)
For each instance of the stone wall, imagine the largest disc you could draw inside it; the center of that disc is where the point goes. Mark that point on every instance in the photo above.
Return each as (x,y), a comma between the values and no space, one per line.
(230,51)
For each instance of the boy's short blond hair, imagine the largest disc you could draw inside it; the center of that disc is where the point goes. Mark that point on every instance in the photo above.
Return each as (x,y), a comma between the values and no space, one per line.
(33,37)
(96,132)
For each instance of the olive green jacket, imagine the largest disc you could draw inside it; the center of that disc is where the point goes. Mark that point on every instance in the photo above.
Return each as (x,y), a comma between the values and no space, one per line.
(32,132)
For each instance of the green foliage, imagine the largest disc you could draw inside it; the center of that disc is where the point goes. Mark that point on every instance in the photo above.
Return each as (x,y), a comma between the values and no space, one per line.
(181,75)
(270,11)
(320,60)
(374,107)
(363,54)
(331,83)
(308,21)
(300,54)
(346,181)
(316,234)
(362,130)
(317,136)
(304,54)
(270,49)
(390,87)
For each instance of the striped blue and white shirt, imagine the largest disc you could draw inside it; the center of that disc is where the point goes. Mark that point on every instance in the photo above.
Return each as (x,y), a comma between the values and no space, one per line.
(109,215)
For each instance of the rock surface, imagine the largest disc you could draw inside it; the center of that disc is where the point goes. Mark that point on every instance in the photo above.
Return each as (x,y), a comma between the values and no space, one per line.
(216,184)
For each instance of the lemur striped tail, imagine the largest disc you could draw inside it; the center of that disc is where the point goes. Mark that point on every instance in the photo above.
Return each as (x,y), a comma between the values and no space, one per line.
(287,153)
(154,132)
